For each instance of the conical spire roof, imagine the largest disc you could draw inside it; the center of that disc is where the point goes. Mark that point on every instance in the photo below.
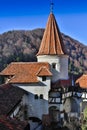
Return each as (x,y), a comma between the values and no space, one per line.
(52,43)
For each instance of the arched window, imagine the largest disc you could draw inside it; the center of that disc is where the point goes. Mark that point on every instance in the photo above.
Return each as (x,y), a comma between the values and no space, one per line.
(36,96)
(41,96)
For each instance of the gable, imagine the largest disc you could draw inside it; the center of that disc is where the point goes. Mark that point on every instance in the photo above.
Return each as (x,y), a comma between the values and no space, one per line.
(44,72)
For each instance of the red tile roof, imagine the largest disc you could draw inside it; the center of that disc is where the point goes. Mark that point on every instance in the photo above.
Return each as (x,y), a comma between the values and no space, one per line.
(82,81)
(25,72)
(10,96)
(7,123)
(52,43)
(24,78)
(60,83)
(44,72)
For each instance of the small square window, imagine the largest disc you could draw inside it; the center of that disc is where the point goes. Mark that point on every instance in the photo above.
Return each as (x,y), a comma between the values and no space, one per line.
(54,65)
(36,96)
(41,96)
(44,78)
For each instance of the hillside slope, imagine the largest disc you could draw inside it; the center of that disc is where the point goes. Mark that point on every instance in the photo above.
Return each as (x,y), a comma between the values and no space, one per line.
(23,46)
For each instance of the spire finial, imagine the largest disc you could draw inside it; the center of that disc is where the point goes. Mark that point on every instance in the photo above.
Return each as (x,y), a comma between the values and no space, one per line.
(51,6)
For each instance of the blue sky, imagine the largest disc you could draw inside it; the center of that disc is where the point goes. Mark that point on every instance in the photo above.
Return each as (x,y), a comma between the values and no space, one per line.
(71,16)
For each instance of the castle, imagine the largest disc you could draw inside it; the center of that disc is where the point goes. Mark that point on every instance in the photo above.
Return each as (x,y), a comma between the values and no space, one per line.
(50,92)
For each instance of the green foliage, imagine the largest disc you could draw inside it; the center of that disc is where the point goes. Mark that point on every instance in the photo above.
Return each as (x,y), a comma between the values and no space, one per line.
(73,69)
(85,113)
(84,124)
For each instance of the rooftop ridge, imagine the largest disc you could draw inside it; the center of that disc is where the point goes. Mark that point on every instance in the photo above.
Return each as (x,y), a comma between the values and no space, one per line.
(28,63)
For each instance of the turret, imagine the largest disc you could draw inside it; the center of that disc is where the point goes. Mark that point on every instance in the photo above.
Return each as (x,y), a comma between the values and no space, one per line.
(52,50)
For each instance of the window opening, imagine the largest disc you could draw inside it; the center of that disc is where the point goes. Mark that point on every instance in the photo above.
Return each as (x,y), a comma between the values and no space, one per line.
(36,96)
(41,96)
(54,65)
(44,78)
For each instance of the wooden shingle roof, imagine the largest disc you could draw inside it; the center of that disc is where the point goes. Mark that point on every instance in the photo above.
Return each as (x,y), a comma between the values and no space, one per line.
(52,43)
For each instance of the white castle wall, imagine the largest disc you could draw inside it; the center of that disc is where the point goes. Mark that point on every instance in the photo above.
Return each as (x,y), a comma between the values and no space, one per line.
(61,70)
(37,107)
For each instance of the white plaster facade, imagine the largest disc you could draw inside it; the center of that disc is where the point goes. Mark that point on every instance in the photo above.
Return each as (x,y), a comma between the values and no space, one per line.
(37,107)
(61,65)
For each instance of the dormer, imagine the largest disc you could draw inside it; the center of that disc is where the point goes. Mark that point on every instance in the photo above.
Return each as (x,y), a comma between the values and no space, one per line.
(44,75)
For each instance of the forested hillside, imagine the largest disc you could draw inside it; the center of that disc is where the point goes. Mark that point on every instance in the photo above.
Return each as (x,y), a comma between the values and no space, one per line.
(23,46)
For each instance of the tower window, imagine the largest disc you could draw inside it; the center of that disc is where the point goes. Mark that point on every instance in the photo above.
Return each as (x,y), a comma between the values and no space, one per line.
(44,78)
(41,96)
(36,96)
(54,65)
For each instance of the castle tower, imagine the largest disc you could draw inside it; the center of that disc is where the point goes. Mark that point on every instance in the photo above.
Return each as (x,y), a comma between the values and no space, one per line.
(52,50)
